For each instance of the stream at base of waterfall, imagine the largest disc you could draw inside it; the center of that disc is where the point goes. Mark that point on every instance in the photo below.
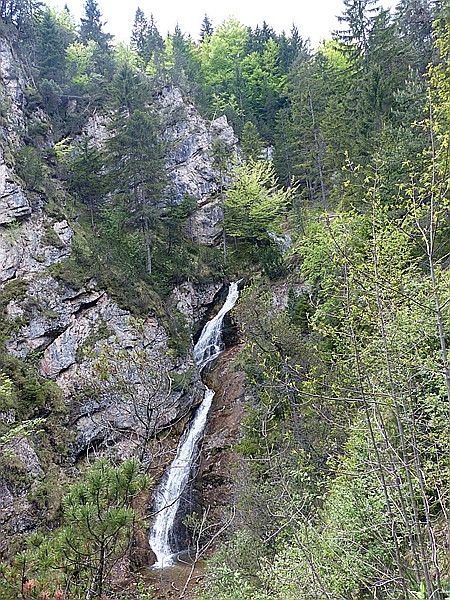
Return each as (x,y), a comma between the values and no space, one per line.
(169,493)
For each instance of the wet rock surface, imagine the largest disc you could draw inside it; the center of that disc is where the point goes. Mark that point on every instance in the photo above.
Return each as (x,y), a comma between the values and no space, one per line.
(195,301)
(215,474)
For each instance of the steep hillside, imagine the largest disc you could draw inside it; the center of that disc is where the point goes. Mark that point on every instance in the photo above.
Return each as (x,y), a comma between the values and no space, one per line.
(81,375)
(242,224)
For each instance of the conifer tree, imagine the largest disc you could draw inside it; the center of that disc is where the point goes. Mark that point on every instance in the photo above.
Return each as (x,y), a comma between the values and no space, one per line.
(155,48)
(91,25)
(414,19)
(182,60)
(207,29)
(139,35)
(52,42)
(91,30)
(136,155)
(97,525)
(359,18)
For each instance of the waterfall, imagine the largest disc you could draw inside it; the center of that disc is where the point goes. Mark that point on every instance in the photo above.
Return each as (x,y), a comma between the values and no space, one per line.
(168,496)
(173,484)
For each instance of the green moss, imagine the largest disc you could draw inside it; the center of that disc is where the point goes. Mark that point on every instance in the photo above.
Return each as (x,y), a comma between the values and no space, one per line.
(51,238)
(13,290)
(30,167)
(25,397)
(14,472)
(16,324)
(110,267)
(70,272)
(33,395)
(48,493)
(56,205)
(39,258)
(180,334)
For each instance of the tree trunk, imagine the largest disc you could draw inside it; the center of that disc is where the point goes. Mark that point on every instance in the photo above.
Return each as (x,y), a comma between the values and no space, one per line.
(96,589)
(319,152)
(148,246)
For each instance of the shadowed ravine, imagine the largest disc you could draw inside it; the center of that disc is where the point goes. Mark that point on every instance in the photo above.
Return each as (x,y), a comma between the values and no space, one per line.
(170,491)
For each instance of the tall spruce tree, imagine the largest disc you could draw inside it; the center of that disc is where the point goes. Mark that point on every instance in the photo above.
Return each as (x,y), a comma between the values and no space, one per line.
(136,156)
(139,35)
(358,18)
(52,43)
(414,19)
(182,59)
(206,29)
(91,30)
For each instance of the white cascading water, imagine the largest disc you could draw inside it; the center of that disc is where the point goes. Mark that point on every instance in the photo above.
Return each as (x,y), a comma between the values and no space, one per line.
(169,493)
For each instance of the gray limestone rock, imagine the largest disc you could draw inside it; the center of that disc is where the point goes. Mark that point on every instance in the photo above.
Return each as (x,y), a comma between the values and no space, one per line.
(96,130)
(14,205)
(192,168)
(193,302)
(30,247)
(206,224)
(23,450)
(12,85)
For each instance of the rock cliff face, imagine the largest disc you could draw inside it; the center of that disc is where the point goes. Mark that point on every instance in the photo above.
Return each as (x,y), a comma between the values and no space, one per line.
(14,205)
(121,383)
(12,98)
(31,245)
(192,166)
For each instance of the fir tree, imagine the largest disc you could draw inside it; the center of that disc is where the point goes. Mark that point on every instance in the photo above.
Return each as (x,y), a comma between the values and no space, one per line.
(207,29)
(359,17)
(51,48)
(91,27)
(91,30)
(139,35)
(136,156)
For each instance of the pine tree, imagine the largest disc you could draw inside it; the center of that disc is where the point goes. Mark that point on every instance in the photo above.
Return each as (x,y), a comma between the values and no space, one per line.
(97,525)
(359,17)
(290,47)
(51,48)
(139,35)
(136,156)
(85,178)
(148,43)
(91,27)
(182,60)
(91,30)
(207,29)
(155,47)
(414,19)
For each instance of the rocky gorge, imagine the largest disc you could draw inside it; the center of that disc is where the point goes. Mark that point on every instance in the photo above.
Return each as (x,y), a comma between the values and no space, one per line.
(121,389)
